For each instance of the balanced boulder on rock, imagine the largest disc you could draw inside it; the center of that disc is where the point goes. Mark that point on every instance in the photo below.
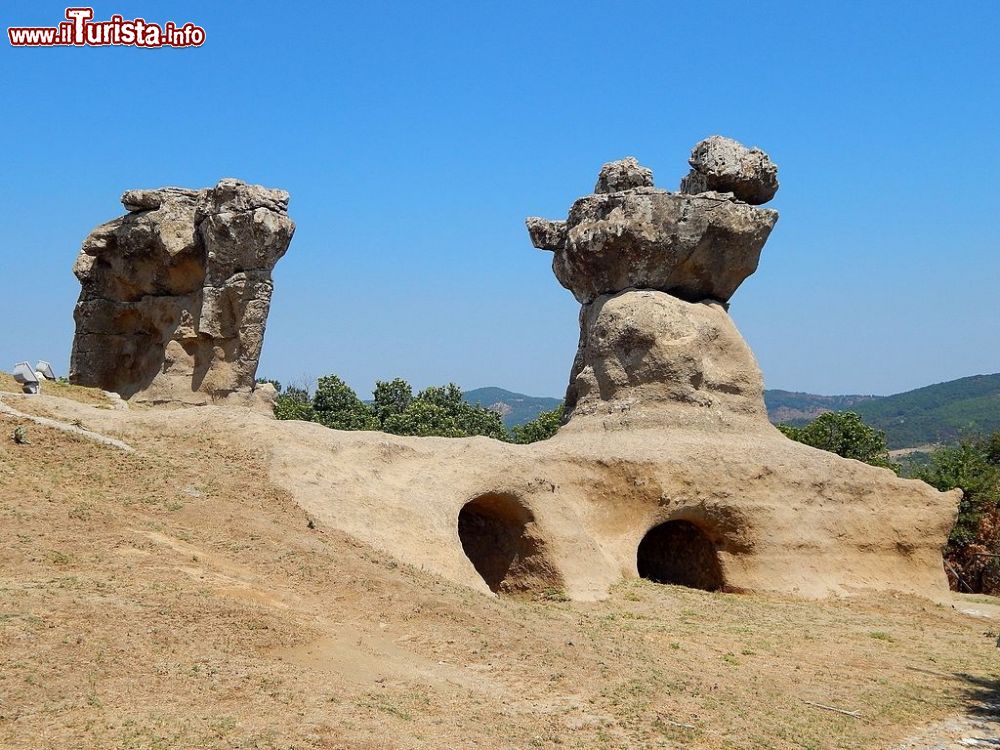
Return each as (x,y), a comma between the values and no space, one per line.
(696,247)
(623,175)
(726,166)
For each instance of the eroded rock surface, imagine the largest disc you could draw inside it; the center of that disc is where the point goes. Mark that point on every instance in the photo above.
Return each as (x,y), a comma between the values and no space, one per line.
(175,294)
(649,359)
(654,271)
(727,166)
(623,175)
(695,247)
(667,443)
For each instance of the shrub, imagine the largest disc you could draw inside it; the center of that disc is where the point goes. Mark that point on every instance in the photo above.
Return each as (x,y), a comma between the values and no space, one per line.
(438,410)
(974,543)
(441,411)
(338,407)
(846,434)
(542,427)
(294,403)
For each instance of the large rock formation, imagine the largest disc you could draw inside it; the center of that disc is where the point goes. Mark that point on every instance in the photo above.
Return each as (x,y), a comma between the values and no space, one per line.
(176,293)
(667,467)
(654,270)
(629,235)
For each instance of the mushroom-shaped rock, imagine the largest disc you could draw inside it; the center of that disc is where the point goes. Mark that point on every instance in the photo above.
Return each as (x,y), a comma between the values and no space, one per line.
(623,175)
(696,247)
(727,166)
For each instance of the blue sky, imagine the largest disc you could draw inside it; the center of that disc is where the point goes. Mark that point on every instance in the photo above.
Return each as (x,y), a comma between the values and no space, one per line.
(415,137)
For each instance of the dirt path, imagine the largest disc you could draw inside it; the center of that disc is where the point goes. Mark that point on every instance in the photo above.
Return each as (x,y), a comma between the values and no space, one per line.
(981,730)
(980,727)
(55,424)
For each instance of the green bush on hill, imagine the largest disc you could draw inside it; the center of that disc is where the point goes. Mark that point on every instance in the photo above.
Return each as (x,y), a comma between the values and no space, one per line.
(973,550)
(846,434)
(542,427)
(943,413)
(439,411)
(338,407)
(294,403)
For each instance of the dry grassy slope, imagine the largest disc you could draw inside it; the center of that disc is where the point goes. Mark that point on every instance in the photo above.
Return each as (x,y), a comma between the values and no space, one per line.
(89,396)
(174,599)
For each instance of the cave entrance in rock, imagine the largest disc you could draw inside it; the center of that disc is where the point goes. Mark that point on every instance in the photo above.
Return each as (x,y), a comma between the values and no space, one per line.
(500,538)
(679,552)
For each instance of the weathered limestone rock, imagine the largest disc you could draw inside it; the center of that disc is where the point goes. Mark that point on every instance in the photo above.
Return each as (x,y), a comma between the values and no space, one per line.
(667,467)
(679,473)
(176,293)
(647,359)
(623,175)
(654,270)
(696,247)
(727,166)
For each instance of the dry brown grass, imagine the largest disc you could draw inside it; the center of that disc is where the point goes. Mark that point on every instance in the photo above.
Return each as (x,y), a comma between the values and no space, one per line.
(90,396)
(175,599)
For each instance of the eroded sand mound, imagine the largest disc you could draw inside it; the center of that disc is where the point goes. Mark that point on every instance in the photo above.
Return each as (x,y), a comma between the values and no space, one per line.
(175,596)
(570,514)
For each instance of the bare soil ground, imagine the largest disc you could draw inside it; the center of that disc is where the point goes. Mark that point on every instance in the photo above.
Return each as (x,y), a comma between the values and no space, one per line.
(173,598)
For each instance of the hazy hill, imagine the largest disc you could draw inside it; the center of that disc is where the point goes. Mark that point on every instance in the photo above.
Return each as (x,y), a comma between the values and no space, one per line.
(940,413)
(795,407)
(516,408)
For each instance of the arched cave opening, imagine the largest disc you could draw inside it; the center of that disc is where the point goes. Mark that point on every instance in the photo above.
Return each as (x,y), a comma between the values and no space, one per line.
(500,538)
(680,553)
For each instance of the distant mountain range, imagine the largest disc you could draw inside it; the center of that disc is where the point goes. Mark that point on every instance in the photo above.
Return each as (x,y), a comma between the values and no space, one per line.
(514,408)
(940,413)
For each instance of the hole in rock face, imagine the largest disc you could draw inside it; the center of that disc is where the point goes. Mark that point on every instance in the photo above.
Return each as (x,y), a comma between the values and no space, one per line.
(679,552)
(500,538)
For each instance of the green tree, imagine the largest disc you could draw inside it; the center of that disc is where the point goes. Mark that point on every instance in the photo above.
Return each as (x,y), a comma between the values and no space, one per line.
(991,448)
(846,434)
(441,411)
(391,399)
(973,467)
(973,550)
(448,397)
(438,410)
(294,403)
(338,407)
(542,427)
(424,419)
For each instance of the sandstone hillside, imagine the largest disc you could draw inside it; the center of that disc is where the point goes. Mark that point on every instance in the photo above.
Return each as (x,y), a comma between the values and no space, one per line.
(176,596)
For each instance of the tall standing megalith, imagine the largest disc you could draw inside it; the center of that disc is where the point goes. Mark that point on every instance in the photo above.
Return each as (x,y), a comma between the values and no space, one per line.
(175,294)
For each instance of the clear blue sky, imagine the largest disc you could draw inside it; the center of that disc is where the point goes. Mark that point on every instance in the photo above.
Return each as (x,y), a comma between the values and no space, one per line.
(415,137)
